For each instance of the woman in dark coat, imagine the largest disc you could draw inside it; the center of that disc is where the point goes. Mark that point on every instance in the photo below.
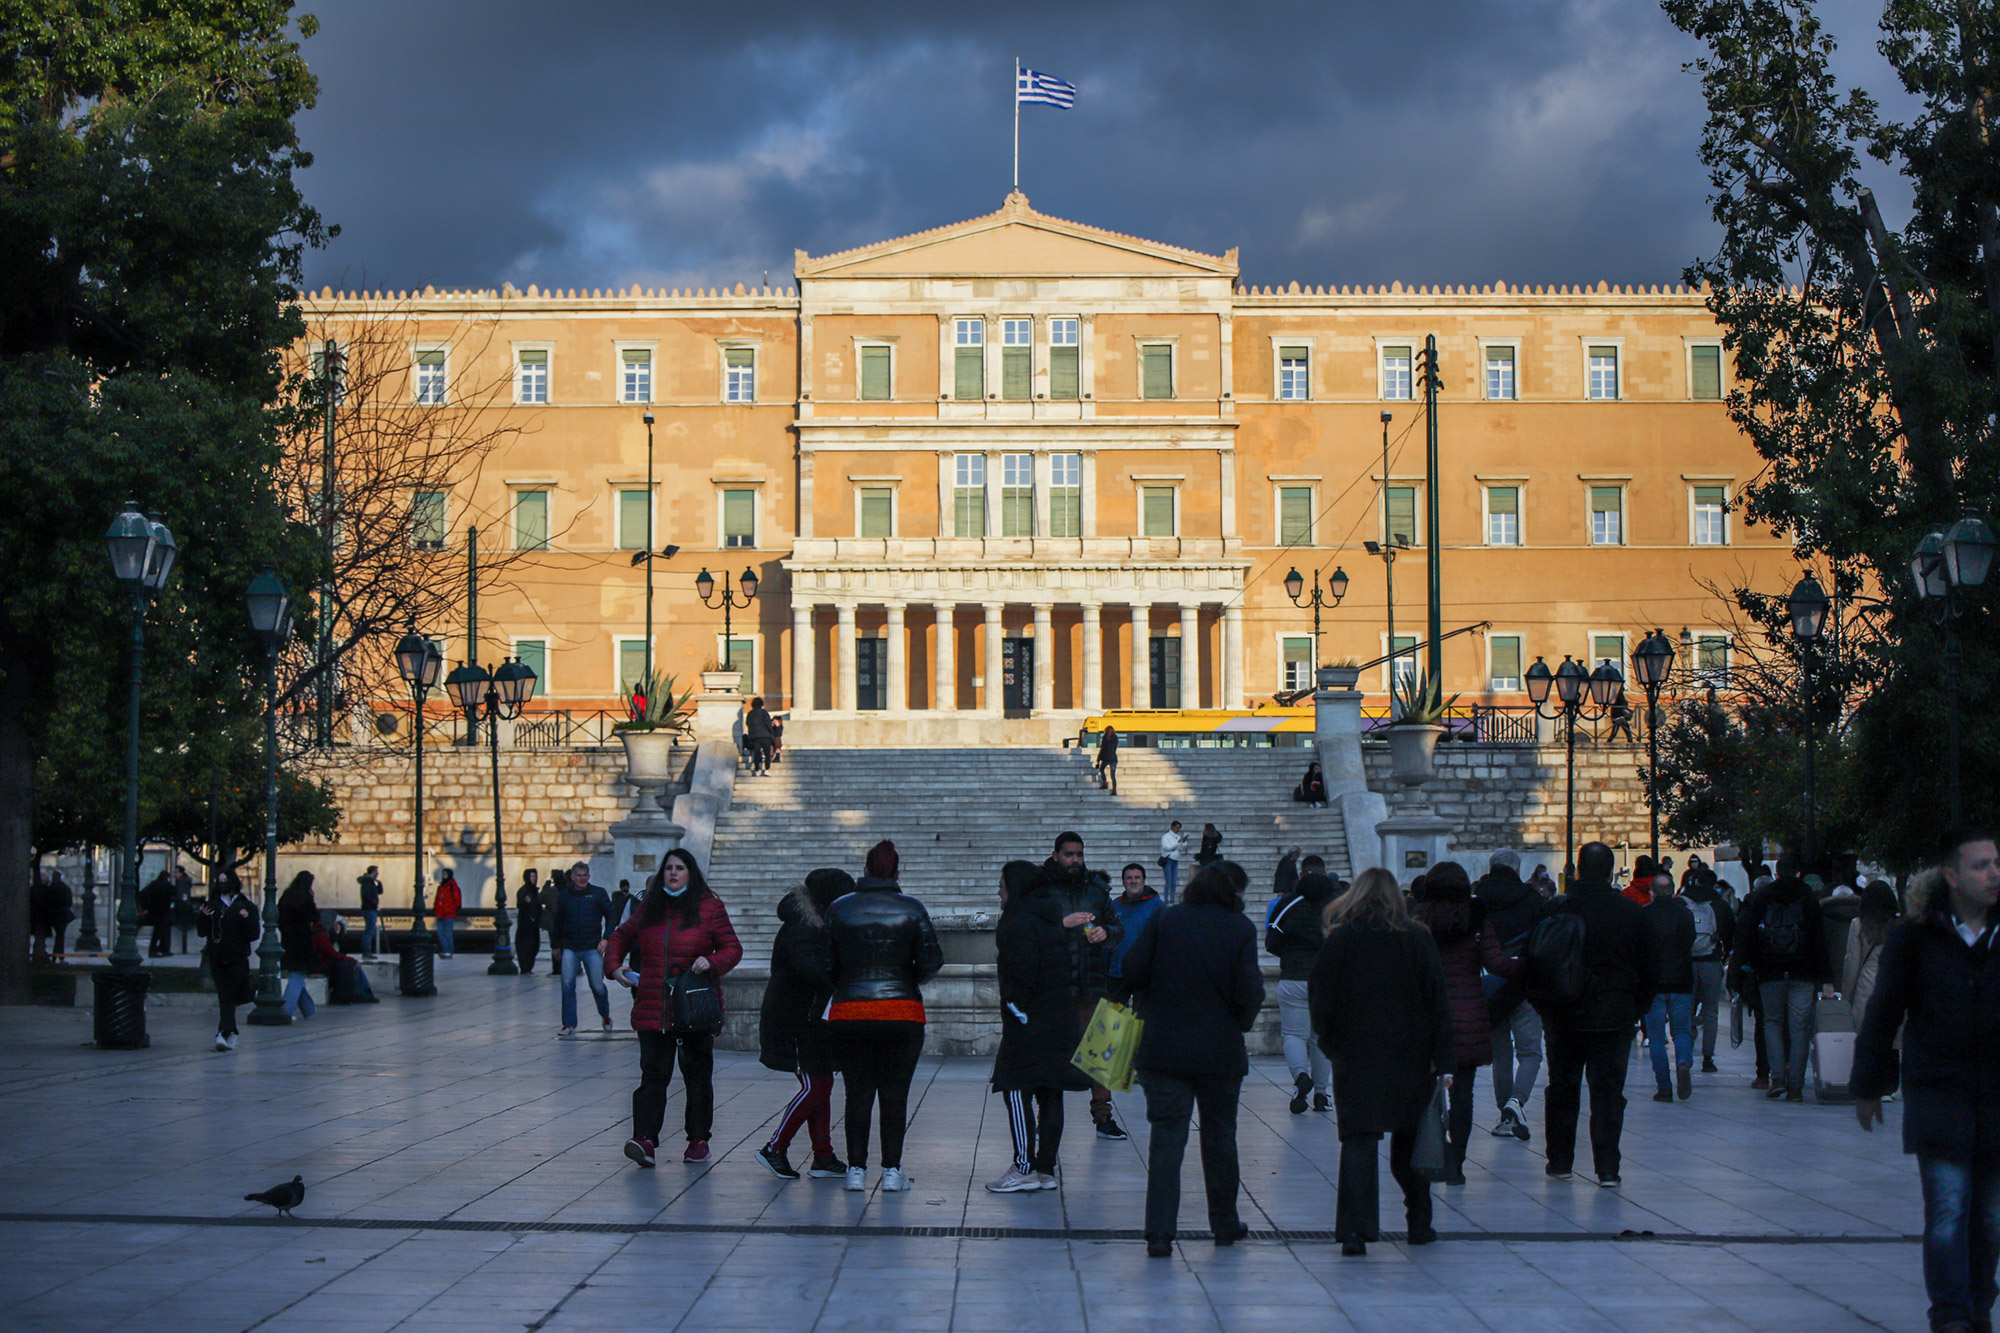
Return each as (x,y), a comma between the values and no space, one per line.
(297,915)
(1211,846)
(1381,1015)
(1457,922)
(792,1037)
(1040,1028)
(1312,787)
(1197,967)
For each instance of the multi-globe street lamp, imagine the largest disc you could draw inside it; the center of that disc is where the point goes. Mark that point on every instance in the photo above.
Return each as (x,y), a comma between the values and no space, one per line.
(704,586)
(1652,663)
(1575,689)
(270,609)
(142,554)
(1946,566)
(418,662)
(1807,606)
(494,697)
(1336,585)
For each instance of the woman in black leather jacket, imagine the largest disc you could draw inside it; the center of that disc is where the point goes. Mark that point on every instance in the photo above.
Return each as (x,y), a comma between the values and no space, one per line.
(881,949)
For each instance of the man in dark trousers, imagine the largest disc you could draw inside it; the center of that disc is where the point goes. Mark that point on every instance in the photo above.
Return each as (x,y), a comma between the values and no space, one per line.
(1938,984)
(1714,935)
(1094,928)
(528,921)
(1672,1011)
(1592,1038)
(156,906)
(1781,941)
(229,924)
(371,912)
(1512,908)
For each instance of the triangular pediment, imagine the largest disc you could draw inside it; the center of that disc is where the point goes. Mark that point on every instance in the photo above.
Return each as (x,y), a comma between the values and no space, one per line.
(1016,241)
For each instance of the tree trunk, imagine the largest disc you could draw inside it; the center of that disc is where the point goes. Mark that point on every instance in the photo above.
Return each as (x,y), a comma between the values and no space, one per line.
(17,808)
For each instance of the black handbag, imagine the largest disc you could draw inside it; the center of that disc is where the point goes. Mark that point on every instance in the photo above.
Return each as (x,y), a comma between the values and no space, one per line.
(697,1007)
(1427,1155)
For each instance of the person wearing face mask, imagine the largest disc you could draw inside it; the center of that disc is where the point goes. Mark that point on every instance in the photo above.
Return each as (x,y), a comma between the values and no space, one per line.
(680,927)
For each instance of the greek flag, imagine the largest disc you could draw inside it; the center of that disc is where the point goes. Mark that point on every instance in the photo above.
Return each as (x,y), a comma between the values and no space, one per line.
(1043,89)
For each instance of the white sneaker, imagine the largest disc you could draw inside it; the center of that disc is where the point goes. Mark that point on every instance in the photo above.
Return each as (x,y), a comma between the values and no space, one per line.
(1015,1181)
(231,1039)
(893,1180)
(221,1042)
(1047,1180)
(857,1177)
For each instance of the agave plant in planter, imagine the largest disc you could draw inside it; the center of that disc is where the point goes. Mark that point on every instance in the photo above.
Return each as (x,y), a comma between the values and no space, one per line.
(656,717)
(1419,709)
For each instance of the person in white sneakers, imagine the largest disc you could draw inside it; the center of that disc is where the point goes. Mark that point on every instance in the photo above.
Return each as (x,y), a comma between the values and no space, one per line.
(229,923)
(1039,1028)
(1172,843)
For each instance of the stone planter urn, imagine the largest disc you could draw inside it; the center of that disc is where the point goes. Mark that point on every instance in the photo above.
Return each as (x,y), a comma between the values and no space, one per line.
(1411,747)
(1339,677)
(722,682)
(649,755)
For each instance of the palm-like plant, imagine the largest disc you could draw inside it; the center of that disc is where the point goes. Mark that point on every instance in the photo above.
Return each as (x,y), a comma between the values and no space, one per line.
(652,704)
(1418,698)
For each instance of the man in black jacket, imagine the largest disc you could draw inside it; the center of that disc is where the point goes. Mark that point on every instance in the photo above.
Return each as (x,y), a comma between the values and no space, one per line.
(1593,1037)
(371,912)
(1781,941)
(1939,985)
(1512,908)
(1083,898)
(1672,1009)
(229,923)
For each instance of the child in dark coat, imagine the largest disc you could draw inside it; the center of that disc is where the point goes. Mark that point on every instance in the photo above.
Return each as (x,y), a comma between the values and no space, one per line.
(1039,1029)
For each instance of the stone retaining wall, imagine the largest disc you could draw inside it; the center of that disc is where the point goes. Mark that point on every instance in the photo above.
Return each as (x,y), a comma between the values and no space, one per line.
(1513,795)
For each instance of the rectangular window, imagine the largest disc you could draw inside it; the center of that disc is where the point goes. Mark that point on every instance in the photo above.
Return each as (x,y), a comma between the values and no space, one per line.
(1603,382)
(1705,372)
(1503,515)
(1403,514)
(1711,659)
(1607,648)
(1017,358)
(318,360)
(739,374)
(427,520)
(1607,516)
(635,381)
(431,377)
(1156,371)
(968,495)
(1295,516)
(1157,511)
(1066,358)
(531,375)
(1404,646)
(1709,522)
(1296,659)
(875,374)
(1500,373)
(534,655)
(633,512)
(1294,381)
(878,512)
(631,663)
(739,518)
(1065,495)
(968,341)
(737,654)
(1396,382)
(531,520)
(1017,495)
(1503,662)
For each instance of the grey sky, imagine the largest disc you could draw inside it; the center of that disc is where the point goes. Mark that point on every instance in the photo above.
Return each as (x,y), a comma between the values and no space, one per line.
(596,144)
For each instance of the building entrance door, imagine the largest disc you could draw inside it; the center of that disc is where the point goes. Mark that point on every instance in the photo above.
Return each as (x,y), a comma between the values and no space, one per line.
(1017,675)
(1166,663)
(871,674)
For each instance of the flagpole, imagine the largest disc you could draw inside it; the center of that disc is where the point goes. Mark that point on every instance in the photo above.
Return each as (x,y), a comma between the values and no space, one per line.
(1017,123)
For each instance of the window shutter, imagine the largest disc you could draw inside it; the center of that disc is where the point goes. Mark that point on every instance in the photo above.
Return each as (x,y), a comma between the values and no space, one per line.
(534,655)
(1015,372)
(738,519)
(1159,511)
(632,510)
(1403,513)
(534,356)
(1503,500)
(739,356)
(875,373)
(875,512)
(431,358)
(1157,379)
(1066,512)
(1065,377)
(531,520)
(1708,495)
(1707,382)
(1295,516)
(969,379)
(1506,659)
(631,664)
(1604,499)
(969,512)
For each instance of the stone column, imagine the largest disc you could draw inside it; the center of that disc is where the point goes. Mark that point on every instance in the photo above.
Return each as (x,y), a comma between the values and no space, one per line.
(844,656)
(899,681)
(804,666)
(1045,658)
(1093,657)
(1190,655)
(993,700)
(1140,658)
(1232,655)
(944,696)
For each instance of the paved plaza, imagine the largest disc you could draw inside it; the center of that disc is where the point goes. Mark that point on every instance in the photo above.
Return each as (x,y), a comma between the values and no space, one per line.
(463,1170)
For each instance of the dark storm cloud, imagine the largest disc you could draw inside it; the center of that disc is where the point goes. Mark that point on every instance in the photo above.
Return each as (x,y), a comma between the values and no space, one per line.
(467,144)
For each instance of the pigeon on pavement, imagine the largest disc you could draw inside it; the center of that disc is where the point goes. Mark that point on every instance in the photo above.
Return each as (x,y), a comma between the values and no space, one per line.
(284,1197)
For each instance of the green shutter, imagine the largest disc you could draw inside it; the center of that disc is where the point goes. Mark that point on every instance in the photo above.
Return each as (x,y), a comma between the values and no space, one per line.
(1016,372)
(875,373)
(1708,495)
(1159,511)
(739,356)
(1503,500)
(632,514)
(1295,516)
(1066,511)
(1403,513)
(1606,648)
(427,518)
(1506,657)
(1603,499)
(1157,379)
(876,511)
(534,655)
(1065,377)
(631,664)
(738,518)
(531,520)
(1707,382)
(1017,511)
(969,379)
(969,512)
(434,358)
(534,356)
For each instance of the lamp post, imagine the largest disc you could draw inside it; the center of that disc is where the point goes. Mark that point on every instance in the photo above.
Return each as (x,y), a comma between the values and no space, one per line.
(271,617)
(1652,662)
(1336,584)
(704,586)
(496,697)
(142,556)
(1807,607)
(87,940)
(1945,566)
(418,661)
(1573,687)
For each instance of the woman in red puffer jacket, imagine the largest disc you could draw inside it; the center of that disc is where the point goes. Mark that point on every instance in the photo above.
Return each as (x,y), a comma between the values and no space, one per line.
(1465,946)
(680,927)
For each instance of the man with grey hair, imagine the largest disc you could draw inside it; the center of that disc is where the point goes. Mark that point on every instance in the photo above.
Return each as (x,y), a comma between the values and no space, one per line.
(1512,908)
(578,921)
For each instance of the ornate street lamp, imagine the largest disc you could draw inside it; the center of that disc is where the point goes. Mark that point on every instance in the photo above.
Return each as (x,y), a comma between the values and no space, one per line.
(1336,586)
(704,587)
(495,697)
(1652,663)
(1947,567)
(418,661)
(1575,692)
(270,609)
(142,554)
(1807,606)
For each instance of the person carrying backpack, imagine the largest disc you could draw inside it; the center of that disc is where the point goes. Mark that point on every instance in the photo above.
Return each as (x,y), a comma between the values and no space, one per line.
(1781,940)
(1714,934)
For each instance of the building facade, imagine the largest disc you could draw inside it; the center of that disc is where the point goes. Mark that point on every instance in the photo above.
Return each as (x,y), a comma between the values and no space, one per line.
(998,476)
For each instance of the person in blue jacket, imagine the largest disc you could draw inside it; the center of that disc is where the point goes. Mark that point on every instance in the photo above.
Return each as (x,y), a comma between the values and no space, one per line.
(1136,908)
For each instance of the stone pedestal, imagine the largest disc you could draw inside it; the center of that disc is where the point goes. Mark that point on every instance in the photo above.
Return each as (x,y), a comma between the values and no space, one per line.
(718,709)
(1337,744)
(1413,840)
(641,839)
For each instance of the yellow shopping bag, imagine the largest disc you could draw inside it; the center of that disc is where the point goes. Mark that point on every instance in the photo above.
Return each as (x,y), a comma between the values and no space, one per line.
(1109,1044)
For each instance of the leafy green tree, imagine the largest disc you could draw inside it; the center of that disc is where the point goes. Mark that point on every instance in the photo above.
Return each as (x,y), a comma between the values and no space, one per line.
(1867,359)
(150,231)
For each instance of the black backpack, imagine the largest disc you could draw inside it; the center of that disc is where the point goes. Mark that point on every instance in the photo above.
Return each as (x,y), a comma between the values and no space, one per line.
(1781,935)
(1555,971)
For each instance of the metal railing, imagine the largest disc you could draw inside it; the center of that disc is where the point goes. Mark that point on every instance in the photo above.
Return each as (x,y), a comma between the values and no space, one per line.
(564,728)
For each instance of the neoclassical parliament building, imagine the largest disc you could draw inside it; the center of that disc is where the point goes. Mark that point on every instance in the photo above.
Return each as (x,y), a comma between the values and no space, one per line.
(999,476)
